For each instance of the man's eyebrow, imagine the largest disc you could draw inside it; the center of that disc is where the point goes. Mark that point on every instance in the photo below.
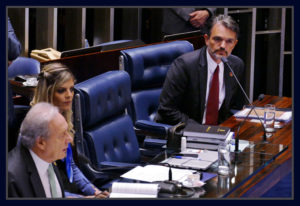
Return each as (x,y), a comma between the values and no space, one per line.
(222,37)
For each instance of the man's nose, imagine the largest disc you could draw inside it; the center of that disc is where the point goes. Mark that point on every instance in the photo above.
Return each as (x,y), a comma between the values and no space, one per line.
(69,138)
(223,43)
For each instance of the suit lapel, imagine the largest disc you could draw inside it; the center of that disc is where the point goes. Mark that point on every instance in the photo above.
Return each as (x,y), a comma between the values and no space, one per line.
(203,79)
(227,81)
(36,183)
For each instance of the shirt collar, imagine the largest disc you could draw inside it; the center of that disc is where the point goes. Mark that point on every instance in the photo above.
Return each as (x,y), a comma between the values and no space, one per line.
(211,64)
(41,164)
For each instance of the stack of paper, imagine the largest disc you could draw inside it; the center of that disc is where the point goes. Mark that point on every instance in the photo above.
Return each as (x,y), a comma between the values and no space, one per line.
(133,190)
(280,115)
(153,173)
(205,136)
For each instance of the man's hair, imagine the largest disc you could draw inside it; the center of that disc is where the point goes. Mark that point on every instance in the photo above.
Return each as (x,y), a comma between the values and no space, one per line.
(226,21)
(36,123)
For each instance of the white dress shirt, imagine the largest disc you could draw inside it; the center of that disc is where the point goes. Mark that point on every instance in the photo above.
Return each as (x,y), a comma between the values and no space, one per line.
(42,167)
(211,66)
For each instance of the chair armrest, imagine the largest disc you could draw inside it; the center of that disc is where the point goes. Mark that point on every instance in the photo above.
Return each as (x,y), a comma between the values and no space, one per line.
(154,143)
(96,175)
(107,165)
(149,128)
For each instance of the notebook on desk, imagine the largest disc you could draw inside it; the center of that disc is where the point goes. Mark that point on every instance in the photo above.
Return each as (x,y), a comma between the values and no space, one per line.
(188,163)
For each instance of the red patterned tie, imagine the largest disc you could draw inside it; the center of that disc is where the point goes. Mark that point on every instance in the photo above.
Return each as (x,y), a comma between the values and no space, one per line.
(213,100)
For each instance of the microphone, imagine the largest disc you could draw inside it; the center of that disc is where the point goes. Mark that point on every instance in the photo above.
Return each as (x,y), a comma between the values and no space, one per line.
(225,61)
(170,173)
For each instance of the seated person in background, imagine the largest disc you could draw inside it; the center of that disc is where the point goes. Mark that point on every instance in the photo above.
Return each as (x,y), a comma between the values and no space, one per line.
(199,86)
(43,139)
(178,20)
(14,46)
(56,86)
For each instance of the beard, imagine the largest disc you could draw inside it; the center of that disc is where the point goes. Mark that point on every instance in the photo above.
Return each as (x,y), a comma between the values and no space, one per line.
(215,55)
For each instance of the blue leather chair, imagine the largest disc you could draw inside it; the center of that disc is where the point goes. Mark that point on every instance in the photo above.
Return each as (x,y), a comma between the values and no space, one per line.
(147,67)
(108,137)
(23,66)
(16,114)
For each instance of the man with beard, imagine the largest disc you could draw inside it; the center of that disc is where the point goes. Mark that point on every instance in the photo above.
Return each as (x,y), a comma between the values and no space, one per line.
(199,86)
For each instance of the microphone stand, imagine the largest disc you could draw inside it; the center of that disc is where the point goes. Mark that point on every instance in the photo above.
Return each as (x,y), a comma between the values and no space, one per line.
(225,61)
(243,122)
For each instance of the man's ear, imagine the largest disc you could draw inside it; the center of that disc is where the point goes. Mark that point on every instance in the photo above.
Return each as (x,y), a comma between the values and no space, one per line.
(41,143)
(206,38)
(236,41)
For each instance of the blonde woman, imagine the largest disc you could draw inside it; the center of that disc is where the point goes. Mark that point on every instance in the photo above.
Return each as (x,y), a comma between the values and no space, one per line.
(56,86)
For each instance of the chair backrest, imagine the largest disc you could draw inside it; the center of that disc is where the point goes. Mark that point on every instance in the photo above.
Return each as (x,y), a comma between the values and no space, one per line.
(107,130)
(148,67)
(16,114)
(23,66)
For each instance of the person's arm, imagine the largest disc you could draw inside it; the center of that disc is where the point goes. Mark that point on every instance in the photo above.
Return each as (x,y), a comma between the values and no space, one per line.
(211,11)
(172,95)
(183,13)
(84,185)
(14,46)
(13,190)
(81,181)
(198,18)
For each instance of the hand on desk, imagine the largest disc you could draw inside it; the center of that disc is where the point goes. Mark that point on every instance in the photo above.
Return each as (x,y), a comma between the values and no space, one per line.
(101,194)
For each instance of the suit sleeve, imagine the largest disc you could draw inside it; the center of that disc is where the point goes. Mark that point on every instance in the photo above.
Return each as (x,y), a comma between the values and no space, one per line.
(13,190)
(81,181)
(211,11)
(183,13)
(172,95)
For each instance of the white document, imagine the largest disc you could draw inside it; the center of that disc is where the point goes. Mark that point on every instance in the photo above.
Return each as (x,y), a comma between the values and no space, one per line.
(133,190)
(197,164)
(242,145)
(279,116)
(152,173)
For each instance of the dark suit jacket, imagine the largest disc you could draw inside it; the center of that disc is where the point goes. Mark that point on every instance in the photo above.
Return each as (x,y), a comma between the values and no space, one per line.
(23,177)
(184,90)
(176,20)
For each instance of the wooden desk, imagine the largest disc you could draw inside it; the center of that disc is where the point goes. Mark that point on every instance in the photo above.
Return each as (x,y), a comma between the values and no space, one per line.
(89,65)
(261,182)
(24,93)
(257,171)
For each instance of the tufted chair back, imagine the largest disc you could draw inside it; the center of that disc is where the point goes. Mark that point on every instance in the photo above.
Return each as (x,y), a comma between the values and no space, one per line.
(147,67)
(23,66)
(107,131)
